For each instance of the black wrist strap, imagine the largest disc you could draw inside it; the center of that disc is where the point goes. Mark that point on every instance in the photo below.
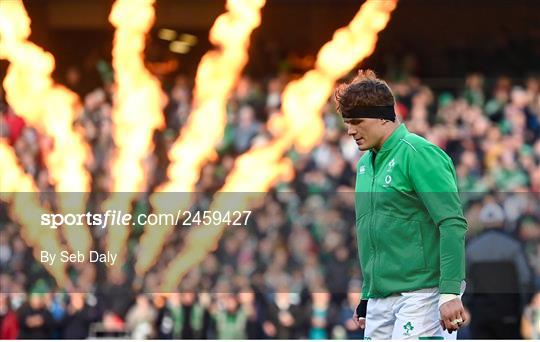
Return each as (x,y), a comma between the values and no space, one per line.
(361,309)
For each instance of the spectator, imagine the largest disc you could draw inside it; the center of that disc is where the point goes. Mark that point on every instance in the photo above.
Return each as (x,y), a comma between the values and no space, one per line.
(250,305)
(246,128)
(78,317)
(474,92)
(231,319)
(499,278)
(36,322)
(9,325)
(181,318)
(528,231)
(140,318)
(284,316)
(12,123)
(179,104)
(322,315)
(117,294)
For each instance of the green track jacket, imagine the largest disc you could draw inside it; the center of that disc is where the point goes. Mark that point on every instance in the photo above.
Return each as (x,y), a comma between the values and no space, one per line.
(409,220)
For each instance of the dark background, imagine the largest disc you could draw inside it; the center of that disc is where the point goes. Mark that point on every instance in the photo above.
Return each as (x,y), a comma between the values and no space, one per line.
(439,41)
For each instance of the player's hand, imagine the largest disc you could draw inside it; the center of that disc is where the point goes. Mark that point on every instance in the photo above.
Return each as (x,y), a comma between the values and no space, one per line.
(452,315)
(360,321)
(359,315)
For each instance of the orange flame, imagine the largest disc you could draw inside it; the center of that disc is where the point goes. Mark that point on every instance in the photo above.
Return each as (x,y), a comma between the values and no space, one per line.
(302,104)
(136,112)
(304,99)
(18,189)
(51,110)
(217,73)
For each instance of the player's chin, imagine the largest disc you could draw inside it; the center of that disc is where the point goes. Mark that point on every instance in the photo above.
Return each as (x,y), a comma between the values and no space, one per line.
(363,147)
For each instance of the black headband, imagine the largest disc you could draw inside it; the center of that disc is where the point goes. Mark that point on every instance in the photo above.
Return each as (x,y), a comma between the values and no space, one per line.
(375,112)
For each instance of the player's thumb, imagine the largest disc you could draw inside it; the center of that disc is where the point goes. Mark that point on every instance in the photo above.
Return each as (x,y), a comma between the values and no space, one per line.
(362,323)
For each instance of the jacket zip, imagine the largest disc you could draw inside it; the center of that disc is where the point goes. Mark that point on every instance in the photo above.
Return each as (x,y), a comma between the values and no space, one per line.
(371,222)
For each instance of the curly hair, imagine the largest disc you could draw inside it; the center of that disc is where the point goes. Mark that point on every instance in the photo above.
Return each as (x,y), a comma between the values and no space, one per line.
(364,90)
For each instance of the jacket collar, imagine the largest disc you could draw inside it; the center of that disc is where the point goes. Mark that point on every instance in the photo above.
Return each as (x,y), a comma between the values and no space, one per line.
(399,133)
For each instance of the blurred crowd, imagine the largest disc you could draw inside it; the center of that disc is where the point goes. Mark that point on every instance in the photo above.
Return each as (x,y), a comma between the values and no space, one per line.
(294,271)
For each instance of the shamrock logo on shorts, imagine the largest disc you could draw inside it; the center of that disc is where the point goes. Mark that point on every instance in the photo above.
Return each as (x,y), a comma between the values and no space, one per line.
(408,328)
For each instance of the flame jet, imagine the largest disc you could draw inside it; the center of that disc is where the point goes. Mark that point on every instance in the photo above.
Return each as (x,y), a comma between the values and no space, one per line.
(136,112)
(18,190)
(50,108)
(217,74)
